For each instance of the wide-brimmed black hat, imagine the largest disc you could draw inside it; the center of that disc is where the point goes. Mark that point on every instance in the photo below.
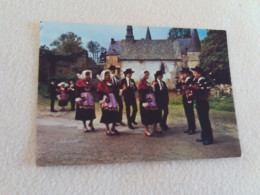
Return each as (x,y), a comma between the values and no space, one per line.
(198,70)
(71,80)
(112,67)
(129,70)
(158,73)
(185,70)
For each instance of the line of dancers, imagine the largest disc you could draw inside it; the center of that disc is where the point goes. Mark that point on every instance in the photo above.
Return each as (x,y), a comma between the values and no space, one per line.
(153,100)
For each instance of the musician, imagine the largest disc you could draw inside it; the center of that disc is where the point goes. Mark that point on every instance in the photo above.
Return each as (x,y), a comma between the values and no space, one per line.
(187,98)
(117,85)
(201,90)
(53,93)
(128,89)
(162,98)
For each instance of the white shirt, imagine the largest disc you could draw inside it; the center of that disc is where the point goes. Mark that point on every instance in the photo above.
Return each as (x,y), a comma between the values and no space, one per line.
(128,82)
(113,78)
(160,84)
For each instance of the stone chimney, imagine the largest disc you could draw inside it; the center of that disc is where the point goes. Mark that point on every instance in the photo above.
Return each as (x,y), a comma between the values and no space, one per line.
(129,34)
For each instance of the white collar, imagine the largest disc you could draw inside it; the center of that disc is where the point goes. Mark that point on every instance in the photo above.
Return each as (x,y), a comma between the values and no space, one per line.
(188,77)
(200,79)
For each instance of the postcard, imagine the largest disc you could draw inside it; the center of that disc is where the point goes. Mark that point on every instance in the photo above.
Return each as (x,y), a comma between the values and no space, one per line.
(120,94)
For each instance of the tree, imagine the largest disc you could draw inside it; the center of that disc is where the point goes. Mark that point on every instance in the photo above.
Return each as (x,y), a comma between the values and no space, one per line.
(179,33)
(68,43)
(94,48)
(44,47)
(214,56)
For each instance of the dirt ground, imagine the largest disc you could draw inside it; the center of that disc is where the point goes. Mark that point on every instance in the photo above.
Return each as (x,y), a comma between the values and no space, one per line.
(61,140)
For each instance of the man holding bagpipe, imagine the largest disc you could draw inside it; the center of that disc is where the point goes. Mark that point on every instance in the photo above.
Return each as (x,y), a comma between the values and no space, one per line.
(187,98)
(201,91)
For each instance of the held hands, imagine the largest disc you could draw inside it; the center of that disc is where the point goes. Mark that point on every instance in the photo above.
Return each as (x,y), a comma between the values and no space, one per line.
(154,83)
(149,99)
(124,87)
(107,100)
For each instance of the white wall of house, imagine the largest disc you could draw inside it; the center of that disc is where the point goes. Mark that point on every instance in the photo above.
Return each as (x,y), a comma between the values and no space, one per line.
(152,67)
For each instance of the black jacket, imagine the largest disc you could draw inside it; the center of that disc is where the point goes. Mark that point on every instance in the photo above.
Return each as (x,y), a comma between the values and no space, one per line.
(161,96)
(53,92)
(129,93)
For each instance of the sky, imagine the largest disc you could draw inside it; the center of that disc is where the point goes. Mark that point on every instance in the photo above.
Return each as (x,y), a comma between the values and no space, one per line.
(100,33)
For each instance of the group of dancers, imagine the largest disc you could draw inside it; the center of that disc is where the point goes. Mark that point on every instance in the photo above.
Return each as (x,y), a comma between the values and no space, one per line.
(153,100)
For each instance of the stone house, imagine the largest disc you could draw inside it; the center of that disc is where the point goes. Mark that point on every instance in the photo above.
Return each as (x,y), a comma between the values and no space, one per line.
(149,54)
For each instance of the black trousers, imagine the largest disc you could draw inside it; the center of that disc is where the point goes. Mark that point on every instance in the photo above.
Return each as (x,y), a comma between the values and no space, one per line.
(52,103)
(120,105)
(72,102)
(202,107)
(189,112)
(164,113)
(128,103)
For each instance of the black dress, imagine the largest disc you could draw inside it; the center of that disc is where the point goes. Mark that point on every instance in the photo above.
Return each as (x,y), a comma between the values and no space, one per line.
(151,114)
(84,113)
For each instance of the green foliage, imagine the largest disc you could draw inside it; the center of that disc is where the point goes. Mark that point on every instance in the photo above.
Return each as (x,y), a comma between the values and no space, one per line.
(214,56)
(180,33)
(176,100)
(216,103)
(94,48)
(44,47)
(220,103)
(68,43)
(43,90)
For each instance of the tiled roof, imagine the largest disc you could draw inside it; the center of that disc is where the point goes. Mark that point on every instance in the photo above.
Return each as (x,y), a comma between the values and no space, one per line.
(150,50)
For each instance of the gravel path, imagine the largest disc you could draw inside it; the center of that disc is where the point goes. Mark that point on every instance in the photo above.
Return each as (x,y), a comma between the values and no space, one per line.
(61,140)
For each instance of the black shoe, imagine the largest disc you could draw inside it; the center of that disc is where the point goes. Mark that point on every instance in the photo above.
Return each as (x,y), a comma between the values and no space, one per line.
(122,124)
(54,111)
(135,123)
(200,140)
(109,133)
(186,131)
(131,126)
(115,132)
(191,132)
(207,142)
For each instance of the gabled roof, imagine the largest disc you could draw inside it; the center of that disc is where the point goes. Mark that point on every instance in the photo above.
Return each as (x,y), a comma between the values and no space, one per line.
(150,50)
(114,49)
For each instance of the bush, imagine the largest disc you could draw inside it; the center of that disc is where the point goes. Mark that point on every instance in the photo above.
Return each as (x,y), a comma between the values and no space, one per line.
(43,90)
(176,100)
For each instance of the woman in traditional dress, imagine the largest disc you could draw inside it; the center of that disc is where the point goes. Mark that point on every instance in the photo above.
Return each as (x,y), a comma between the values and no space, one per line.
(85,102)
(110,114)
(150,113)
(62,95)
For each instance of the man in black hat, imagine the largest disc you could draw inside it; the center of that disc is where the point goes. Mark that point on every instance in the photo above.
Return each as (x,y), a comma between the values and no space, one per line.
(162,98)
(72,95)
(117,84)
(128,88)
(187,100)
(201,90)
(53,93)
